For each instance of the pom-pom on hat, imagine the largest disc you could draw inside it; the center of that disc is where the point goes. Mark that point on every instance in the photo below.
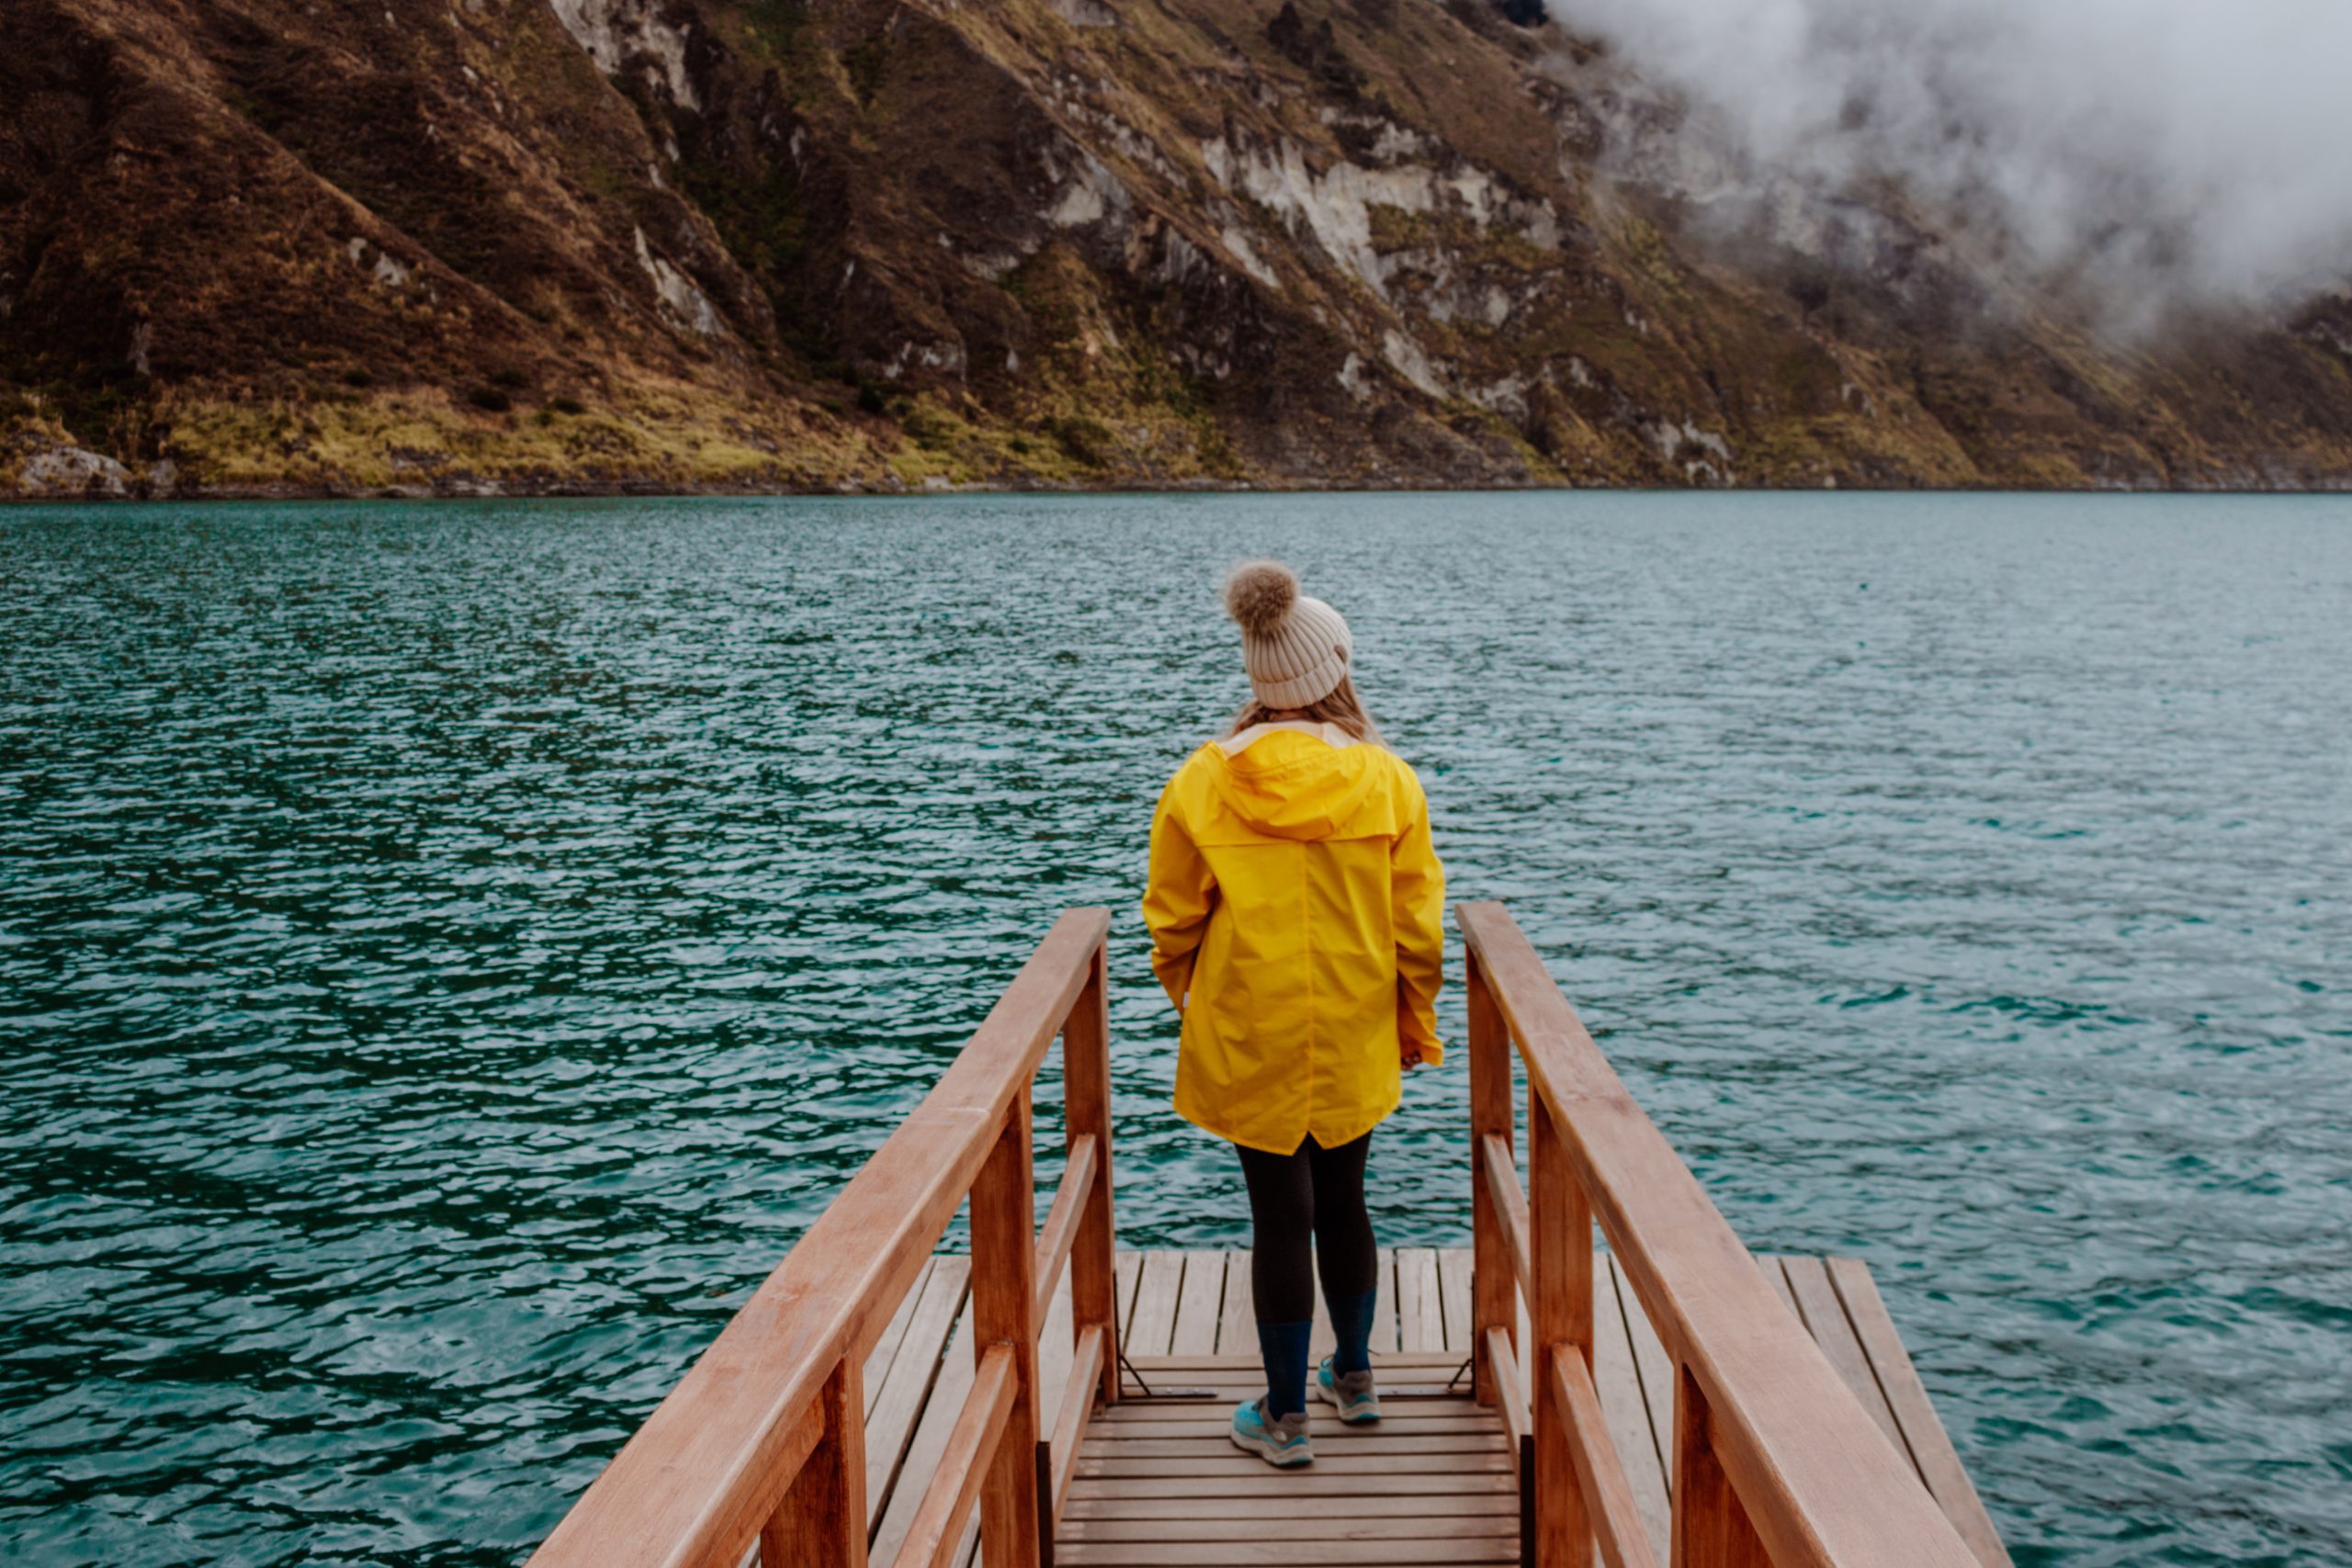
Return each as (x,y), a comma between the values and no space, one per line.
(1295,647)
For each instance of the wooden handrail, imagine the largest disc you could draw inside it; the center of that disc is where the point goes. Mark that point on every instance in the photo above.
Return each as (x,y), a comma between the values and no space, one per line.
(1776,1461)
(1609,1496)
(937,1529)
(1078,1398)
(1502,1185)
(1510,1397)
(1060,1229)
(743,1448)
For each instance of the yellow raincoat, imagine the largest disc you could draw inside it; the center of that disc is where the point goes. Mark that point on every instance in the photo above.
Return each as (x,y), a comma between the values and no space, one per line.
(1296,911)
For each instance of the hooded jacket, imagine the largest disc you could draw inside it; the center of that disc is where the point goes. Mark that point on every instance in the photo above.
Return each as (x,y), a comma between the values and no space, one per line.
(1296,909)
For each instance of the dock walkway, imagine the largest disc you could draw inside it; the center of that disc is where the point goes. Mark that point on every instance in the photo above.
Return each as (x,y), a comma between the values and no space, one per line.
(1157,1485)
(1606,1375)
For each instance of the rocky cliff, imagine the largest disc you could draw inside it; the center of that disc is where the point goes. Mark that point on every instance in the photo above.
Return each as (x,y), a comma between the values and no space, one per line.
(284,246)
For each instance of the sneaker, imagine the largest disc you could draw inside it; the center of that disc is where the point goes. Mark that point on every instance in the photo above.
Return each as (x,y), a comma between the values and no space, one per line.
(1358,1401)
(1280,1441)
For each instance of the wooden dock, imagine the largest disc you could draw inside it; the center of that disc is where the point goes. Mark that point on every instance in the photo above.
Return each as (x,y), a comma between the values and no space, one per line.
(1157,1485)
(1658,1396)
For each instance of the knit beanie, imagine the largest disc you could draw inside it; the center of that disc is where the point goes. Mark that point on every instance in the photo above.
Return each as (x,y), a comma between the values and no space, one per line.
(1295,647)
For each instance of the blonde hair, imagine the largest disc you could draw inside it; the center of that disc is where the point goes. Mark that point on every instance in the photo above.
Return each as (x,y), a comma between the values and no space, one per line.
(1340,706)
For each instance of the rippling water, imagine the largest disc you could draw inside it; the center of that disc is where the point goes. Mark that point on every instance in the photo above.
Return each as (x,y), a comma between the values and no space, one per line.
(447,952)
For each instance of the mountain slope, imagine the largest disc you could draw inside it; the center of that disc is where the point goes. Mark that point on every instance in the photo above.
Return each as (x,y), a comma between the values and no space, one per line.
(352,245)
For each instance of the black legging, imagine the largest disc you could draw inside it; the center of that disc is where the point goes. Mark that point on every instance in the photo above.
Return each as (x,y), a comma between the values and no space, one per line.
(1312,1191)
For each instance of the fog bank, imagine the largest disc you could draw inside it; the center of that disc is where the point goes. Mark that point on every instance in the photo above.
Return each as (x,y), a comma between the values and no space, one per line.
(2186,152)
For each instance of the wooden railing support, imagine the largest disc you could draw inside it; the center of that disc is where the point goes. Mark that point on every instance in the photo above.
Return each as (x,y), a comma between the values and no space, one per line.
(763,1442)
(1494,1296)
(1560,1318)
(1616,1517)
(1004,1290)
(936,1534)
(1712,1529)
(1776,1462)
(1086,1110)
(821,1521)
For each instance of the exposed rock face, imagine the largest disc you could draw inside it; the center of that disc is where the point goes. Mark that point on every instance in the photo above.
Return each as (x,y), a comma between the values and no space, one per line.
(287,245)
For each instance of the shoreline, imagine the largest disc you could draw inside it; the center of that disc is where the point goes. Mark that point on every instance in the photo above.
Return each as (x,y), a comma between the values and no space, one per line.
(263,494)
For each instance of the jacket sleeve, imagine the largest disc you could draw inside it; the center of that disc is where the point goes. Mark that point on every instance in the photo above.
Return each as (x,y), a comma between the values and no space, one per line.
(1178,897)
(1417,893)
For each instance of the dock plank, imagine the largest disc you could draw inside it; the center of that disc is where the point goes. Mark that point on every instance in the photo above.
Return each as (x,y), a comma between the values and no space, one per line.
(1931,1447)
(1125,1269)
(1776,1275)
(1198,1304)
(1653,1366)
(929,1441)
(1280,1527)
(1474,1510)
(1453,1297)
(1620,1388)
(1237,1327)
(1281,1553)
(1825,1318)
(878,1362)
(1420,1323)
(898,1405)
(1153,1322)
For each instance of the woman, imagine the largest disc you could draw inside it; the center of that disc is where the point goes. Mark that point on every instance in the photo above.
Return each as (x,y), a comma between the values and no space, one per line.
(1297,912)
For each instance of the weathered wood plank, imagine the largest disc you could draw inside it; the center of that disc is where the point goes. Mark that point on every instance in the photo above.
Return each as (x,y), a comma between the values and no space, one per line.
(1654,1369)
(1125,1269)
(1237,1331)
(1940,1464)
(1420,1322)
(1198,1302)
(1403,1429)
(1417,1361)
(935,1533)
(1282,1553)
(1777,1277)
(1825,1318)
(891,1417)
(1283,1527)
(1203,1459)
(1299,1484)
(1453,1297)
(930,1441)
(1153,1324)
(877,1365)
(1330,1441)
(1623,1412)
(1474,1509)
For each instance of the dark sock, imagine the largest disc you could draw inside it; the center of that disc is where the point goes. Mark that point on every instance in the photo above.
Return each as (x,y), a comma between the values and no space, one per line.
(1284,1346)
(1351,1321)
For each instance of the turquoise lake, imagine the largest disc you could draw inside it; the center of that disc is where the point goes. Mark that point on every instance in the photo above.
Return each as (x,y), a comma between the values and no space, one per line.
(448,952)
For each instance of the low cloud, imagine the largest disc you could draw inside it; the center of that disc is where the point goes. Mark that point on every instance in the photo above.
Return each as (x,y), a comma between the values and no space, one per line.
(2187,151)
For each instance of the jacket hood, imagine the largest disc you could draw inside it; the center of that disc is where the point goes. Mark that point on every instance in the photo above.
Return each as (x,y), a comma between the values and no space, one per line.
(1289,785)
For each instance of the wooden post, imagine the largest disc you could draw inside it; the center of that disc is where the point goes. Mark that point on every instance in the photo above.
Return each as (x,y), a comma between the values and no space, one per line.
(1559,1222)
(821,1521)
(1710,1526)
(1086,1101)
(1494,1291)
(1005,1284)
